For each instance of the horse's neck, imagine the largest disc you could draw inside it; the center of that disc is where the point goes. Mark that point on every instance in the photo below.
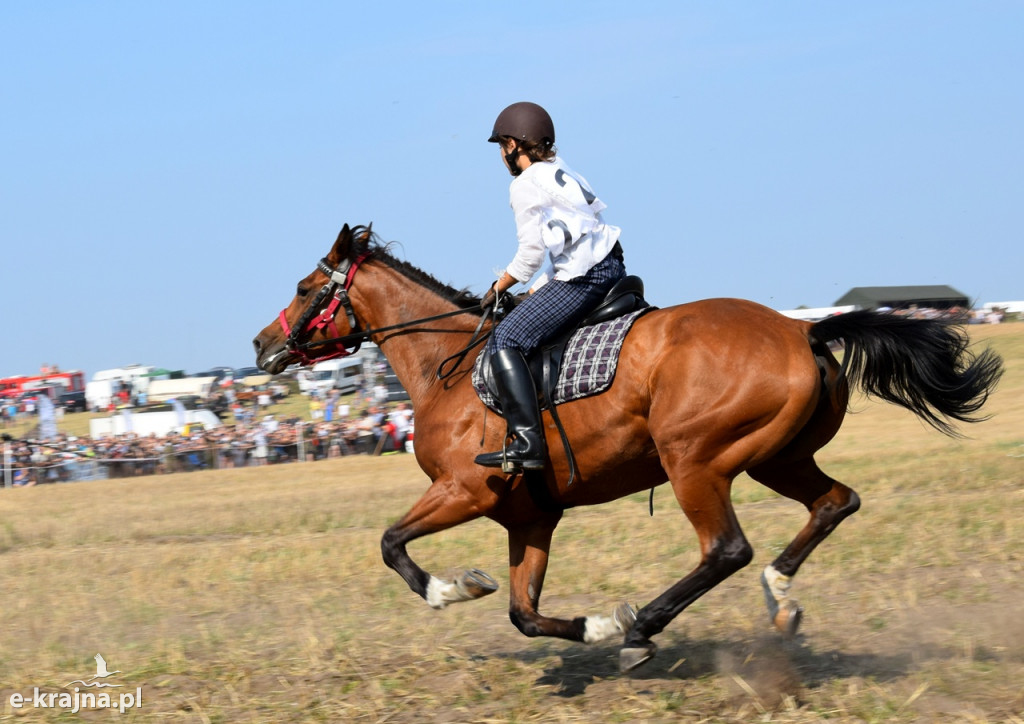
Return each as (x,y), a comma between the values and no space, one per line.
(414,353)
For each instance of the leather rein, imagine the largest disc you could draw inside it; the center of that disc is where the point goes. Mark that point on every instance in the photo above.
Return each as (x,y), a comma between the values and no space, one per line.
(339,279)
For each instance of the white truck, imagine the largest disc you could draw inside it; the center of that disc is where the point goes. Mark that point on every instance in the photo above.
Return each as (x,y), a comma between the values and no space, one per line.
(106,383)
(134,377)
(98,394)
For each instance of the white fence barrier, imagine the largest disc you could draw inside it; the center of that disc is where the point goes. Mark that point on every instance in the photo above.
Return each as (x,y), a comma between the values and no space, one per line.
(67,467)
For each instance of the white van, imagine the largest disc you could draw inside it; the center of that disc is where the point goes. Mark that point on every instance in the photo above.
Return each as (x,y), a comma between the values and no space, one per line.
(134,377)
(344,374)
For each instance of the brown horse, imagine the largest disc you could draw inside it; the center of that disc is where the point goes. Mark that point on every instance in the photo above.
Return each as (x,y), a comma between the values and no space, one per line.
(703,391)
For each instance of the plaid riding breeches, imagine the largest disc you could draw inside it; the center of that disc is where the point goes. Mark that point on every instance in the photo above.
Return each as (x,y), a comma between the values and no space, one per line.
(556,308)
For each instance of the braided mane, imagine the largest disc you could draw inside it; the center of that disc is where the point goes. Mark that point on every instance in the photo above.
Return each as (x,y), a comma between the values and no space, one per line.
(365,240)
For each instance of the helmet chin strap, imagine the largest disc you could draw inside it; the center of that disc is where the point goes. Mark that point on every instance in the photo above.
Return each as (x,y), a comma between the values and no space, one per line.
(512,160)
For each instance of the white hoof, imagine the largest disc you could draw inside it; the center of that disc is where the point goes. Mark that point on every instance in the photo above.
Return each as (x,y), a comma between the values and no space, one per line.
(441,593)
(469,585)
(601,628)
(784,613)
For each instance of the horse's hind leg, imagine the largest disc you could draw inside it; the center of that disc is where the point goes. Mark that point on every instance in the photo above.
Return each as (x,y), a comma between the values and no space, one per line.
(828,502)
(529,546)
(704,497)
(443,506)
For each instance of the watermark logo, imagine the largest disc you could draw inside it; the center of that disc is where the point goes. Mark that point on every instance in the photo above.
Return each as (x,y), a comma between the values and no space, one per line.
(101,673)
(91,698)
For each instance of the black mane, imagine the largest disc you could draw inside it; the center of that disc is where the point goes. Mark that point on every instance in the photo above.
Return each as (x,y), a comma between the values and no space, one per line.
(364,239)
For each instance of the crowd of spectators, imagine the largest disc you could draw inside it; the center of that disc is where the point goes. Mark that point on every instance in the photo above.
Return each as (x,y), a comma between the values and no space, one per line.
(960,315)
(253,437)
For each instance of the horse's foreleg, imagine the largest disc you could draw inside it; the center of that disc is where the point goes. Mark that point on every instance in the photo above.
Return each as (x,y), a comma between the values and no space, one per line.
(828,501)
(443,506)
(528,562)
(724,550)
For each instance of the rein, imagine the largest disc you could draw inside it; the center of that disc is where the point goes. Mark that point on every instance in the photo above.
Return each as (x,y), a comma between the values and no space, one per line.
(339,281)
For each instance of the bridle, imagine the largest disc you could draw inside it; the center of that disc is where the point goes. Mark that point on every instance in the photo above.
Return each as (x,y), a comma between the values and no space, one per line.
(339,279)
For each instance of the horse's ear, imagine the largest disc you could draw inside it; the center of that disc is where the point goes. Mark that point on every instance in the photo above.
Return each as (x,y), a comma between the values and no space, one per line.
(341,246)
(363,242)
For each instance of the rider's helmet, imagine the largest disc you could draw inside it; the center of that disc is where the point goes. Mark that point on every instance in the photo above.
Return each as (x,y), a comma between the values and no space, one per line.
(524,121)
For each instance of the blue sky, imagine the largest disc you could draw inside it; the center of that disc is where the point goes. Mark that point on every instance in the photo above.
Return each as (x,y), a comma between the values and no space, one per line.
(170,170)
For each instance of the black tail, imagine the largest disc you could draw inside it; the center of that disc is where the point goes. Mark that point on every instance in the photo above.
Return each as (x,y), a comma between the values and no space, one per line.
(923,365)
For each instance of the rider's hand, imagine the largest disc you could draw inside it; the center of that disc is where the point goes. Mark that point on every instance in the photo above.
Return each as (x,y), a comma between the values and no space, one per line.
(498,291)
(488,300)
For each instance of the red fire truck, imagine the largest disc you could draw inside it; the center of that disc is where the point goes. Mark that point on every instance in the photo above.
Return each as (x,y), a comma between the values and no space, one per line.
(69,381)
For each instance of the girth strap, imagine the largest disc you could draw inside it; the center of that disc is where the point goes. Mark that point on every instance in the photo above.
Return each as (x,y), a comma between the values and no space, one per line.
(549,378)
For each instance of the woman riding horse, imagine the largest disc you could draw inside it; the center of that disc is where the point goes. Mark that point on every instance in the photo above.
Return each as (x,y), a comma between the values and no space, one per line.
(557,215)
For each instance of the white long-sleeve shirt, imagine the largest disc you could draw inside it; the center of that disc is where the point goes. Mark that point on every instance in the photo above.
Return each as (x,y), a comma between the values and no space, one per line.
(557,216)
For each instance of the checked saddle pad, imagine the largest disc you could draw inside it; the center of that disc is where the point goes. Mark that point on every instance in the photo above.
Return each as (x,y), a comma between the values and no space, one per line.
(587,368)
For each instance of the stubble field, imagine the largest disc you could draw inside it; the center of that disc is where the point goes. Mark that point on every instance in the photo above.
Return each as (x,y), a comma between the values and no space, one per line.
(259,595)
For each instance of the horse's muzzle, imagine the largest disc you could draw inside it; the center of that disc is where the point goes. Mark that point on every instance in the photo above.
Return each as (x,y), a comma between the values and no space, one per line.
(268,359)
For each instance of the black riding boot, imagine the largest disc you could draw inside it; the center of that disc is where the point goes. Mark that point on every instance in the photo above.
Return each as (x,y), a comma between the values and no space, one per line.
(519,402)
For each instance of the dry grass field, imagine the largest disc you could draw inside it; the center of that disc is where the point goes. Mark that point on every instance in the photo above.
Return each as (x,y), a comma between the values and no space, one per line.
(259,595)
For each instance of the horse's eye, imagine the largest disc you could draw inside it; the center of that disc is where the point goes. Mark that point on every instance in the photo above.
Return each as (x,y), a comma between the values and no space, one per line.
(301,292)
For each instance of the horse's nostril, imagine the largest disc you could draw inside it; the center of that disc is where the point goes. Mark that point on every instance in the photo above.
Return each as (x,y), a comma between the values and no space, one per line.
(256,345)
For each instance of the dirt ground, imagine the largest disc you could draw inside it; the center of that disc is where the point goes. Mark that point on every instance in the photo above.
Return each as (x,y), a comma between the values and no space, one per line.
(277,608)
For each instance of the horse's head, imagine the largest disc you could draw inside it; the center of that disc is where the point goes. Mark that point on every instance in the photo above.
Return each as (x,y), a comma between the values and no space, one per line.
(319,312)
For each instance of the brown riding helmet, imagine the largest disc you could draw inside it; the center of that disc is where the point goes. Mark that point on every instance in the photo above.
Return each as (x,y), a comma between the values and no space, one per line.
(525,122)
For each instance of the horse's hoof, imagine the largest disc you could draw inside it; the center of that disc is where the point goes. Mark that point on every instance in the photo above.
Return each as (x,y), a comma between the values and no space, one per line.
(788,618)
(474,583)
(784,613)
(631,658)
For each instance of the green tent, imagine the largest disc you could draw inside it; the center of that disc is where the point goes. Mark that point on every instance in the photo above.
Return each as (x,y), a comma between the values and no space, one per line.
(936,297)
(161,372)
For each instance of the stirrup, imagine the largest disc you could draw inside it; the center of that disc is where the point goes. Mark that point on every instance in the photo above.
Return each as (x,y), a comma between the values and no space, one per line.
(508,466)
(496,459)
